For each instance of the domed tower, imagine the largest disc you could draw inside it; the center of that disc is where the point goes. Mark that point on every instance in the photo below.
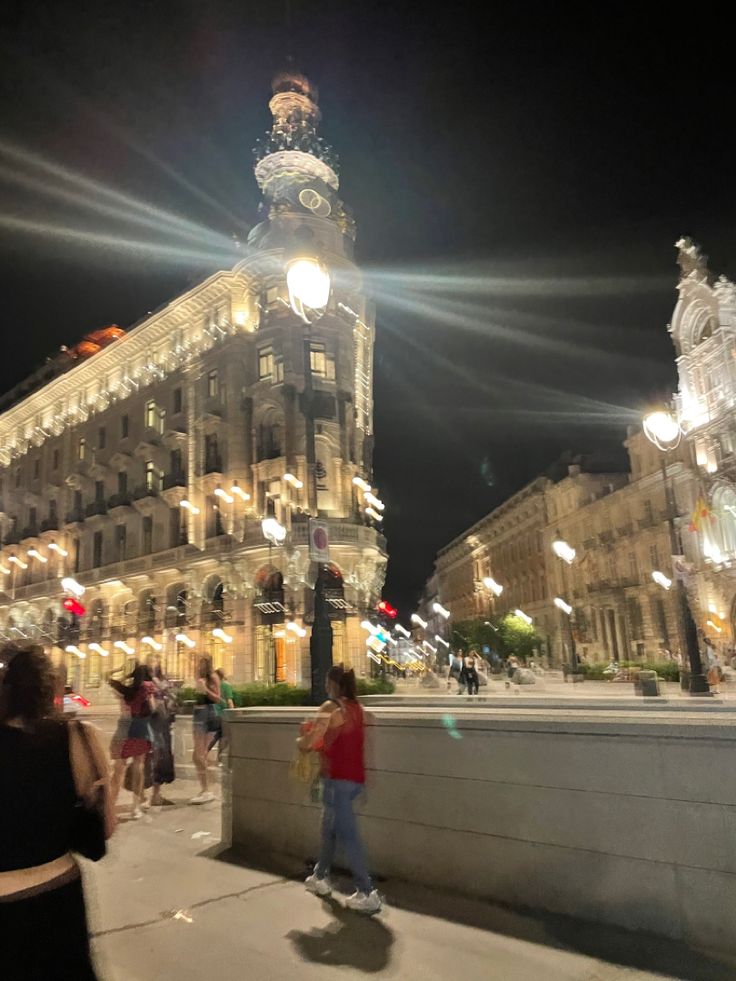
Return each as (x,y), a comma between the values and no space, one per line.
(312,405)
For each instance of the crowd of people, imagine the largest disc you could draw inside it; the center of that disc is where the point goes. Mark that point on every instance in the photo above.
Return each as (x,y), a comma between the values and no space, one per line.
(142,746)
(62,788)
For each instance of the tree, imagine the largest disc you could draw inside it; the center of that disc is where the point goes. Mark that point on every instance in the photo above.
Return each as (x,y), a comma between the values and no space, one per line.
(517,636)
(475,635)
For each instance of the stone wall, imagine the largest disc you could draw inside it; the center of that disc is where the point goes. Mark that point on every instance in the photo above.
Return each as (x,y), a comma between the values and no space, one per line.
(627,821)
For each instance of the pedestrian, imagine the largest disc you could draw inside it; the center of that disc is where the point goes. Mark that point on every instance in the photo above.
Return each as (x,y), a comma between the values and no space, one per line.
(48,765)
(134,736)
(713,667)
(162,720)
(338,734)
(226,702)
(204,724)
(471,673)
(512,666)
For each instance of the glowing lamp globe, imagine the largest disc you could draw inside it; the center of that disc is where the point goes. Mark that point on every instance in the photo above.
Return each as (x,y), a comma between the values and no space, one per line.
(662,429)
(308,283)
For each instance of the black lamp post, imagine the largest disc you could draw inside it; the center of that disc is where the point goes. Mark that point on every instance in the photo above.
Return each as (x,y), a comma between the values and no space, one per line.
(309,287)
(662,429)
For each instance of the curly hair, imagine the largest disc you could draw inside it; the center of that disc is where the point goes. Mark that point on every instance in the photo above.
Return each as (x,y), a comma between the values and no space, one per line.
(28,685)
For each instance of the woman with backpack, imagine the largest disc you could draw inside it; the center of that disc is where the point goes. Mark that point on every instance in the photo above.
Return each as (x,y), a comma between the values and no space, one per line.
(338,734)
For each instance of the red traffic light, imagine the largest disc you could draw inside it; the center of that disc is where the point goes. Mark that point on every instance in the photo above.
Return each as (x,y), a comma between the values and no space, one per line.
(74,606)
(387,609)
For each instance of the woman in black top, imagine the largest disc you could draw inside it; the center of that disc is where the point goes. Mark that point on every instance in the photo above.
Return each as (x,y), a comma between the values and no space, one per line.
(47,766)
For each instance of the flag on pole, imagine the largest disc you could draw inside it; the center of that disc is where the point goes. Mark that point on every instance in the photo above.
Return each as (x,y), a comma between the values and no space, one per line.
(701,516)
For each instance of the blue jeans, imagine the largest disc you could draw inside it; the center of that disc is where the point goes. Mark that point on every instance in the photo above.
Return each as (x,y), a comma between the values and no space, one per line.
(339,825)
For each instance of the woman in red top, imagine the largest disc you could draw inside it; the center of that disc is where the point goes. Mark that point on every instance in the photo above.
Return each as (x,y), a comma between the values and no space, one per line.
(339,735)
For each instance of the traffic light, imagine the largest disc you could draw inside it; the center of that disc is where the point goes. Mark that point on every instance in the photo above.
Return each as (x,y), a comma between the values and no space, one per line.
(387,610)
(74,607)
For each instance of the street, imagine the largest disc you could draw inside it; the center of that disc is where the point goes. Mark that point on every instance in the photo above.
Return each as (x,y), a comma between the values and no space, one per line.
(168,901)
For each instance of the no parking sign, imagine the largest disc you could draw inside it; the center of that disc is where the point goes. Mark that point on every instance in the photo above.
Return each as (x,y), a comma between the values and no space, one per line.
(319,540)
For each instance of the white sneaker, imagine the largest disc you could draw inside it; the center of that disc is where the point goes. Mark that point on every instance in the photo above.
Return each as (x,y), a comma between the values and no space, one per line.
(320,887)
(204,798)
(136,815)
(364,903)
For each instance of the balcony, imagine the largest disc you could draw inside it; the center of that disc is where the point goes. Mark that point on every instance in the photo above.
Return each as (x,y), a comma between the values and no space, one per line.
(74,517)
(213,464)
(175,480)
(146,499)
(120,502)
(648,521)
(605,537)
(51,523)
(12,537)
(30,531)
(143,491)
(96,509)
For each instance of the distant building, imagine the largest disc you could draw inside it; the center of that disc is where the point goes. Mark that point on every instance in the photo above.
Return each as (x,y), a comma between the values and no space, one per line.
(617,524)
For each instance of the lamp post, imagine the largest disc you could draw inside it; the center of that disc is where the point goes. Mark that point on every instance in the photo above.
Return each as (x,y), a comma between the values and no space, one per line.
(566,554)
(663,430)
(308,282)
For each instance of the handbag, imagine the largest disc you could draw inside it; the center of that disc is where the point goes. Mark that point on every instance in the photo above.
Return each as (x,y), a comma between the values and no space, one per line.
(87,836)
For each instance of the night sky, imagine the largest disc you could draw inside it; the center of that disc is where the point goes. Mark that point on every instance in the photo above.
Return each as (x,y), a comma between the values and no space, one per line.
(518,181)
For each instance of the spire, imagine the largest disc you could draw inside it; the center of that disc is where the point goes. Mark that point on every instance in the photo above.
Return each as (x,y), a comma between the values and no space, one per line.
(691,259)
(292,149)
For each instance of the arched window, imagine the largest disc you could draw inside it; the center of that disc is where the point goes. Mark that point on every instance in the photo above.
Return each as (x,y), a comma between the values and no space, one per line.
(148,612)
(723,533)
(270,436)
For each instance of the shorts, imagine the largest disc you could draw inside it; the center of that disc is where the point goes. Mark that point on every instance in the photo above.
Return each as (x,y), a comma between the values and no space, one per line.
(201,719)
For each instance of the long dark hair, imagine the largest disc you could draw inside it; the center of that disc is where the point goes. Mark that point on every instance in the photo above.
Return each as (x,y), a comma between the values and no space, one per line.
(205,667)
(28,685)
(344,678)
(139,674)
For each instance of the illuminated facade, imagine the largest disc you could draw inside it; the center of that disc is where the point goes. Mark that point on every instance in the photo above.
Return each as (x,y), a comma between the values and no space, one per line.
(617,525)
(703,331)
(144,470)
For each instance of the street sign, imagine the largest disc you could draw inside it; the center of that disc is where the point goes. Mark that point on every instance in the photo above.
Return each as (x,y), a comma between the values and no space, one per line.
(319,540)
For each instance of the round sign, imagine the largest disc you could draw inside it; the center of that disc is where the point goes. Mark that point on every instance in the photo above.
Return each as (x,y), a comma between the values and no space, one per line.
(320,539)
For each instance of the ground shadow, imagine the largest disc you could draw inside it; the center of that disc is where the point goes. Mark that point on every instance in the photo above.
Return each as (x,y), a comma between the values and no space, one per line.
(613,945)
(351,940)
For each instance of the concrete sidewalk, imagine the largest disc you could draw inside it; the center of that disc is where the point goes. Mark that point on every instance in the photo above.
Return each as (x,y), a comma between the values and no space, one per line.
(167,903)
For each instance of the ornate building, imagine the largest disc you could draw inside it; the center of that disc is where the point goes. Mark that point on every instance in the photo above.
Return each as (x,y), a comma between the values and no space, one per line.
(703,330)
(617,525)
(144,463)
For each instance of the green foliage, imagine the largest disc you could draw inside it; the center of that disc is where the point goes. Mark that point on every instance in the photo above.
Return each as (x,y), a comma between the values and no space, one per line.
(375,686)
(505,635)
(257,693)
(517,636)
(474,635)
(667,670)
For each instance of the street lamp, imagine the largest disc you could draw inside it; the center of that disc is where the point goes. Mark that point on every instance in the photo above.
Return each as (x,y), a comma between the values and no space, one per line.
(273,531)
(562,605)
(495,588)
(662,428)
(566,553)
(523,616)
(439,608)
(661,579)
(417,620)
(308,282)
